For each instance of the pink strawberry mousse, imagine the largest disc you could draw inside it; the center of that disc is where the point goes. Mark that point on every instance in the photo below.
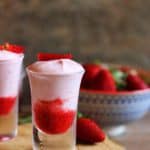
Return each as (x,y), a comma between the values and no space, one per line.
(55,89)
(10,67)
(61,79)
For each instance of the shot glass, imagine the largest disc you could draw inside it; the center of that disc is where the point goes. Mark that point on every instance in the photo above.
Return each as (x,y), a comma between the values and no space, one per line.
(54,109)
(10,81)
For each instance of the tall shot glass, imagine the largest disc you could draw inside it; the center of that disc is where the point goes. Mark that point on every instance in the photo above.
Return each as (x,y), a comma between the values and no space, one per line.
(54,108)
(10,78)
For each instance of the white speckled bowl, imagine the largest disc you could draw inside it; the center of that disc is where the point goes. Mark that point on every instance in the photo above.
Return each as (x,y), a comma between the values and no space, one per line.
(111,109)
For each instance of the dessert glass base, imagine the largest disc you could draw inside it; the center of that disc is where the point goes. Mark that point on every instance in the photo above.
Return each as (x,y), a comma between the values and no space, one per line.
(8,126)
(45,141)
(7,137)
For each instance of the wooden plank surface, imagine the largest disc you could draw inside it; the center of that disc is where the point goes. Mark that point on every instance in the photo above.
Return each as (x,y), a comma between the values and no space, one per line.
(137,135)
(23,142)
(106,145)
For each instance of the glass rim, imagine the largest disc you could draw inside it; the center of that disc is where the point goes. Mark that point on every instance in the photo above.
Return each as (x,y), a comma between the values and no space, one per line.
(49,74)
(14,59)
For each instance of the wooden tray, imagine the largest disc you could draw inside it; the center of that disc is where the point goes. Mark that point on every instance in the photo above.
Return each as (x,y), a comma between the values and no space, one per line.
(23,142)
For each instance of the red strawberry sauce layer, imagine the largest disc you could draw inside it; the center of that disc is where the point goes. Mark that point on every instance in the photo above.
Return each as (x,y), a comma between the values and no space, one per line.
(51,118)
(6,105)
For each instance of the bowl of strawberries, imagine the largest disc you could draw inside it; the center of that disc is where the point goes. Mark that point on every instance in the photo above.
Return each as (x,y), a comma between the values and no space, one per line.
(113,95)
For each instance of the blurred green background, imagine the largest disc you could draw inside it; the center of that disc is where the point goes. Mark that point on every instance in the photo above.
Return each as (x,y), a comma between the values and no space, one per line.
(116,31)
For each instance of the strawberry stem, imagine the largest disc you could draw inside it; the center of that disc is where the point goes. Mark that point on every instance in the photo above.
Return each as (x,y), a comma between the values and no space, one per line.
(79,115)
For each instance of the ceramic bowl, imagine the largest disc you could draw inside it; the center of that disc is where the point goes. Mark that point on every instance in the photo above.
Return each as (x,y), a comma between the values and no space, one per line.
(114,109)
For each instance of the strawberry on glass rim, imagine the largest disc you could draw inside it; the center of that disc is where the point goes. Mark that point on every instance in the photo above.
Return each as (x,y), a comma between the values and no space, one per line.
(51,56)
(12,48)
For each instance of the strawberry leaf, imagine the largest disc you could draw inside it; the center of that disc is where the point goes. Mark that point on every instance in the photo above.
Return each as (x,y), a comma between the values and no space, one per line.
(120,78)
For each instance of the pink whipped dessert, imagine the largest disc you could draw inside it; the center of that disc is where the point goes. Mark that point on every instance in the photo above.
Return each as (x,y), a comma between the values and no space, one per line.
(55,88)
(10,73)
(10,68)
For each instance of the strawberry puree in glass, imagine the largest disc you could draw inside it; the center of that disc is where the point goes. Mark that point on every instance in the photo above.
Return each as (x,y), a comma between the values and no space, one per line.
(10,69)
(54,90)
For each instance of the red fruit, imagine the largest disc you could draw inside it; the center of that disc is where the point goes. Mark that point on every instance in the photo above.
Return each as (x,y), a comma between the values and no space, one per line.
(125,69)
(12,48)
(104,81)
(91,71)
(6,104)
(1,47)
(48,56)
(51,118)
(134,82)
(88,131)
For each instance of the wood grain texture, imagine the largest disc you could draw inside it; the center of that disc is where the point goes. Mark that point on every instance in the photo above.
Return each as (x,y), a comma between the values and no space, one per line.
(106,145)
(23,142)
(137,135)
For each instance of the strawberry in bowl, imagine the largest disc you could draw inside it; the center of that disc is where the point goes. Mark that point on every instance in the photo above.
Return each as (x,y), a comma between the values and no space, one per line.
(91,72)
(117,96)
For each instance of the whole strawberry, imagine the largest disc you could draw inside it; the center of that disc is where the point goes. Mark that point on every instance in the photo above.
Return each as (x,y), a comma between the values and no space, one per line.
(91,71)
(104,81)
(134,82)
(88,131)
